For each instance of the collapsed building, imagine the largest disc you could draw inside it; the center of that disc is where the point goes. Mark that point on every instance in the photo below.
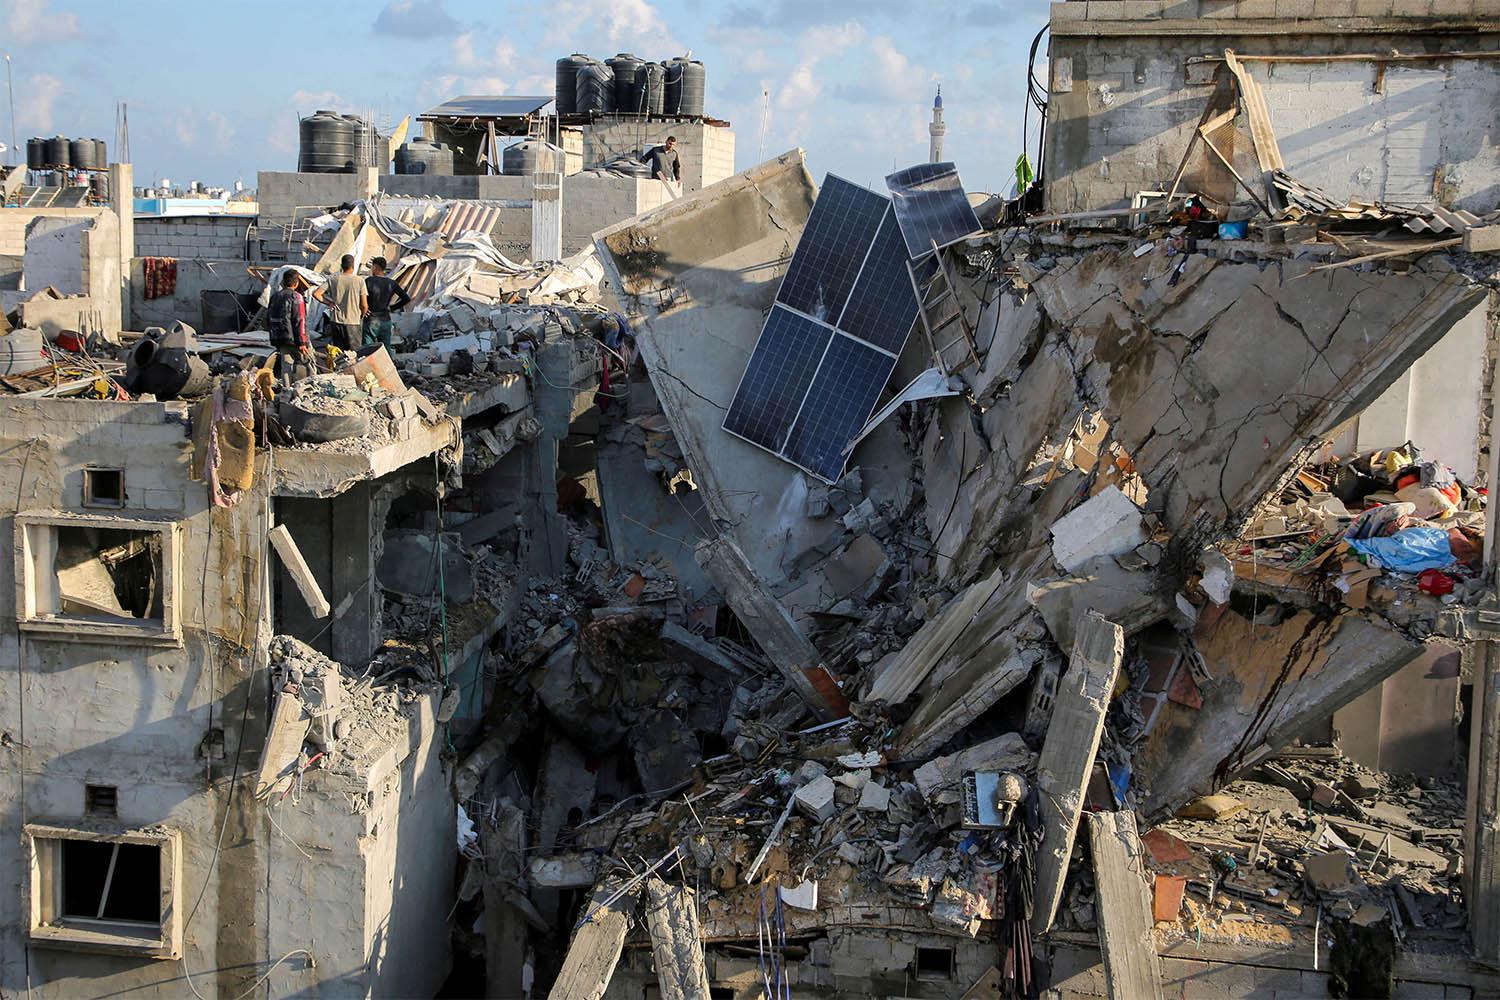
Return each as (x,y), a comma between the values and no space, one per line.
(704,616)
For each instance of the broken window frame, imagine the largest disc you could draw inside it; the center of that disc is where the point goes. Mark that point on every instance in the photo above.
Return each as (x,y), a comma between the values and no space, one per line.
(44,883)
(36,539)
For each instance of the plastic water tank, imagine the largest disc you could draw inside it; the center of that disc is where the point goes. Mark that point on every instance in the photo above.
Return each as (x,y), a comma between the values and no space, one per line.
(531,157)
(327,144)
(595,89)
(671,88)
(625,67)
(650,82)
(99,186)
(36,153)
(565,93)
(83,154)
(59,153)
(370,147)
(694,80)
(423,156)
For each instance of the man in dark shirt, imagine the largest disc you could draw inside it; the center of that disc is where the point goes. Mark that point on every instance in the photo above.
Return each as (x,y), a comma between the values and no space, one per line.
(287,316)
(666,165)
(385,297)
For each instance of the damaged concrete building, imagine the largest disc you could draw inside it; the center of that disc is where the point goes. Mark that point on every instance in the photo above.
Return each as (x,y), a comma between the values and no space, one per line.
(803,590)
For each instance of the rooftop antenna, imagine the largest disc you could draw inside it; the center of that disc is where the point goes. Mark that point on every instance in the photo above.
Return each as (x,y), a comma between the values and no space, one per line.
(10,86)
(765,121)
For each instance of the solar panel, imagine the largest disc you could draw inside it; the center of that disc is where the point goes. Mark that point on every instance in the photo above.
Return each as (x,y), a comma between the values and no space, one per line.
(776,380)
(842,315)
(843,222)
(842,396)
(931,206)
(883,306)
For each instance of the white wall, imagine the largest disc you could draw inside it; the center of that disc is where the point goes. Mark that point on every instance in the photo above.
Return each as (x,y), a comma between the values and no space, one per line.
(1435,405)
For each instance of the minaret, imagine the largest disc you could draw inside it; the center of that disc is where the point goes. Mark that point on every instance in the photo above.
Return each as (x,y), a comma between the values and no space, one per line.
(937,129)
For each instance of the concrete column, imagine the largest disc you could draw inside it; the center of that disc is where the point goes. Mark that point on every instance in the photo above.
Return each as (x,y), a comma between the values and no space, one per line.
(1482,804)
(367,182)
(122,195)
(356,546)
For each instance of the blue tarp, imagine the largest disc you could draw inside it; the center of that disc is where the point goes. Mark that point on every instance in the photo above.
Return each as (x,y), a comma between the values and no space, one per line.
(1409,551)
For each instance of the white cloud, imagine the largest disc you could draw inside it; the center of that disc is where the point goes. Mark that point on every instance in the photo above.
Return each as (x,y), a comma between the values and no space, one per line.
(30,21)
(621,24)
(414,19)
(36,98)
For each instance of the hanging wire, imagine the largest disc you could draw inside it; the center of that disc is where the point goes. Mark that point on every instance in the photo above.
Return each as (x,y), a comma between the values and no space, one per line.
(1036,97)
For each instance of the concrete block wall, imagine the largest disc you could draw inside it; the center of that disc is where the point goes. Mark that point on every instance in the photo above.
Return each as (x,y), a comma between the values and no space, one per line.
(1124,103)
(194,277)
(707,151)
(281,193)
(13,223)
(215,237)
(592,202)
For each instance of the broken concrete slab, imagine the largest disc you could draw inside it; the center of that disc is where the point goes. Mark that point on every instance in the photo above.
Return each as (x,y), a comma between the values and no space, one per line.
(874,797)
(1067,759)
(699,651)
(1131,966)
(564,871)
(1270,683)
(765,617)
(307,584)
(1106,524)
(597,943)
(1130,598)
(1003,753)
(676,941)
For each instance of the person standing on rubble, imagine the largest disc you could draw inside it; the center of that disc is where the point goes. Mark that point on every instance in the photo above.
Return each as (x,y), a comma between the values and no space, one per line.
(344,295)
(666,165)
(287,318)
(384,297)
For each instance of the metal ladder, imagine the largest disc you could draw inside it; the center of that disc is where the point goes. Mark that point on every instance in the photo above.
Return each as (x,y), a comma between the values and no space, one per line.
(938,308)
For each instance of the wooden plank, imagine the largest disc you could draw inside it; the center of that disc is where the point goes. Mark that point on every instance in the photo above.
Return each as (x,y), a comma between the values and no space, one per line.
(596,947)
(676,941)
(307,584)
(1131,967)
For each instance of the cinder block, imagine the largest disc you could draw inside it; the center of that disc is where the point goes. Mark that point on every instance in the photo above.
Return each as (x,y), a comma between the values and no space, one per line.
(1452,8)
(1301,9)
(1335,8)
(1372,8)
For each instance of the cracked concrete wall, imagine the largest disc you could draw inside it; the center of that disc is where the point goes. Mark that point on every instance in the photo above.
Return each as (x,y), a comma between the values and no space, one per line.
(1122,109)
(1215,385)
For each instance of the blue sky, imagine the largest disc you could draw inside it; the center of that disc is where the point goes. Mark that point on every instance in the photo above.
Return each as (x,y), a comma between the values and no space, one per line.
(214,89)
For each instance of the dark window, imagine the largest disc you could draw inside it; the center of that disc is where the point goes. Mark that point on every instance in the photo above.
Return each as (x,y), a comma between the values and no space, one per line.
(103,488)
(100,800)
(934,963)
(107,881)
(720,993)
(108,572)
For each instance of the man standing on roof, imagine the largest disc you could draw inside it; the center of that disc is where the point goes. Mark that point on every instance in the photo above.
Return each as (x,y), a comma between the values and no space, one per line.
(666,165)
(384,297)
(287,315)
(344,295)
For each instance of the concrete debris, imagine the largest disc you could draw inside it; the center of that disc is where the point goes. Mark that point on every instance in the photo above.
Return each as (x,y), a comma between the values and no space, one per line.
(1185,501)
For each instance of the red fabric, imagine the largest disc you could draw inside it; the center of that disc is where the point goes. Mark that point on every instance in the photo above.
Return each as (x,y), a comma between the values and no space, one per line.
(161,276)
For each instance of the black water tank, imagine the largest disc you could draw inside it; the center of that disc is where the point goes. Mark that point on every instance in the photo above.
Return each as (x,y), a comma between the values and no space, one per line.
(671,89)
(58,153)
(370,147)
(565,92)
(327,144)
(99,186)
(694,79)
(36,154)
(625,66)
(595,89)
(650,81)
(83,154)
(423,156)
(531,157)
